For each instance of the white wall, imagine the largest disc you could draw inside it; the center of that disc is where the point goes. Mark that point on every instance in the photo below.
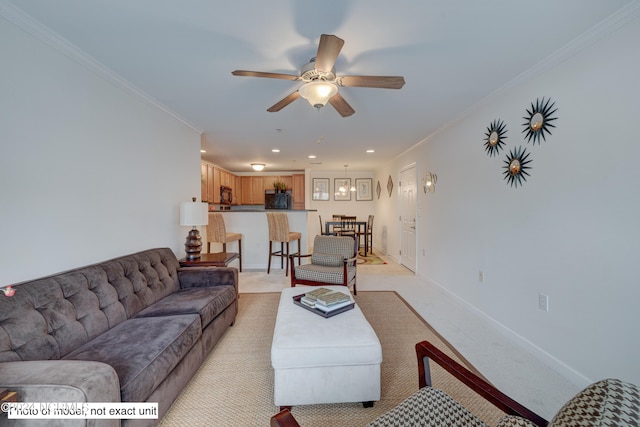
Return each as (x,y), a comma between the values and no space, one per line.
(570,232)
(88,171)
(326,209)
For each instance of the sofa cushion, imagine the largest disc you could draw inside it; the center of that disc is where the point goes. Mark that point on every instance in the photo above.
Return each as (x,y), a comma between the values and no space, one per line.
(428,407)
(329,260)
(609,402)
(342,245)
(206,302)
(143,278)
(322,273)
(143,351)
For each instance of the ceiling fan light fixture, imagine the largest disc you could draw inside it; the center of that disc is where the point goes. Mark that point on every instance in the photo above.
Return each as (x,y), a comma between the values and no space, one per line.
(257,166)
(318,92)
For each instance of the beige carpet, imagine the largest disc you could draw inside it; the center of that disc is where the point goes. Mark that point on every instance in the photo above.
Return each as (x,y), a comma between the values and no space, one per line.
(234,386)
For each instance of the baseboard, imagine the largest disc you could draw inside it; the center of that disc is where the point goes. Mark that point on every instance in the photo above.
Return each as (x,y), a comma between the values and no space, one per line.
(546,358)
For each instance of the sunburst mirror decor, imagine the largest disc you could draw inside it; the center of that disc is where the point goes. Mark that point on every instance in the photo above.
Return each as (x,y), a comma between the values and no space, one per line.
(538,120)
(378,189)
(389,185)
(494,137)
(516,166)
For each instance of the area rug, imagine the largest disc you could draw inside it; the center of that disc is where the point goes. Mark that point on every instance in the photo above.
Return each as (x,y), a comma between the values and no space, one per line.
(234,385)
(371,259)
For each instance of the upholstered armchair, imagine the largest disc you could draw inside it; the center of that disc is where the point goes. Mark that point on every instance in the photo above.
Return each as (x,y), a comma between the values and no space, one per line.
(609,402)
(333,262)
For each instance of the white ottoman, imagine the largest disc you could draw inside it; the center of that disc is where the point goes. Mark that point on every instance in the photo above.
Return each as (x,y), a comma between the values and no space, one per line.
(323,360)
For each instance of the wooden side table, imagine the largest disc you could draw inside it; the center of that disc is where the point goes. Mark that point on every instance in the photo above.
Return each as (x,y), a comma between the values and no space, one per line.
(219,259)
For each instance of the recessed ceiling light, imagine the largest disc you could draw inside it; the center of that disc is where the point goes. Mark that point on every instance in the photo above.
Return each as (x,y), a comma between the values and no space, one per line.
(311,156)
(371,150)
(203,151)
(275,150)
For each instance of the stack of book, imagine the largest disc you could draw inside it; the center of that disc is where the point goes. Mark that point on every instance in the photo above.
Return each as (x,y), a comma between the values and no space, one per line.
(325,299)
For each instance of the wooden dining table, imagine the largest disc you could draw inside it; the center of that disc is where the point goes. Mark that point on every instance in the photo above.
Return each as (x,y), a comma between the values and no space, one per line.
(360,224)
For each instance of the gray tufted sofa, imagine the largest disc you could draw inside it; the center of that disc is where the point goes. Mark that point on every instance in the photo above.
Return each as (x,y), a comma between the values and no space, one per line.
(132,329)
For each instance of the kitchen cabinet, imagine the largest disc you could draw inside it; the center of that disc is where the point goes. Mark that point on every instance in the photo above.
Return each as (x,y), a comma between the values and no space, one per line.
(298,191)
(203,182)
(211,188)
(253,190)
(286,179)
(212,178)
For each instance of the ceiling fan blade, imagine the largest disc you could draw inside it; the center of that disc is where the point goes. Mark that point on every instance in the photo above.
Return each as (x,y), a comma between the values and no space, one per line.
(262,74)
(341,105)
(284,102)
(383,82)
(328,50)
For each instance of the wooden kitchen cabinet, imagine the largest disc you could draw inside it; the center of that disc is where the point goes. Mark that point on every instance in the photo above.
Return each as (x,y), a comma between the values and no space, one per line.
(269,180)
(211,193)
(298,191)
(252,190)
(203,182)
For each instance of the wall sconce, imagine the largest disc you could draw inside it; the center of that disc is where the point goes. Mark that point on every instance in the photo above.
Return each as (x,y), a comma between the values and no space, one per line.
(257,166)
(429,182)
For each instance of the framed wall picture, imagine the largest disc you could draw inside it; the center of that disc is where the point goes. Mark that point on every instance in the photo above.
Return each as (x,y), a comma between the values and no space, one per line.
(364,189)
(320,189)
(342,189)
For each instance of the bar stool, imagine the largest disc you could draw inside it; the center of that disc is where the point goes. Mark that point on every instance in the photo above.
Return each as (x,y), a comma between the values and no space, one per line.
(279,232)
(217,233)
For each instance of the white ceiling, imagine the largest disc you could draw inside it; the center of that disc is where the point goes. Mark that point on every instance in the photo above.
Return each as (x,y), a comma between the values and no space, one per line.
(452,54)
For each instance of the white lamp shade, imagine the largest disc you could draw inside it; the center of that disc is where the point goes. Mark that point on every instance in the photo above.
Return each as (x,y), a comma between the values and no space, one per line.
(194,213)
(318,92)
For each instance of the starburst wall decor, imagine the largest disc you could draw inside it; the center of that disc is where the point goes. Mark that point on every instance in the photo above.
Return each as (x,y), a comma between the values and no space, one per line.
(494,137)
(516,166)
(538,120)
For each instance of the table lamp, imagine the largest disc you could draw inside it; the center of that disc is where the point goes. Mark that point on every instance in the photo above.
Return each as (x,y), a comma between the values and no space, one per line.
(193,214)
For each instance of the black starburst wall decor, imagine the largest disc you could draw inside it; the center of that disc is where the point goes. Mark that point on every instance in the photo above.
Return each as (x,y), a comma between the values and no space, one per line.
(494,137)
(516,166)
(538,120)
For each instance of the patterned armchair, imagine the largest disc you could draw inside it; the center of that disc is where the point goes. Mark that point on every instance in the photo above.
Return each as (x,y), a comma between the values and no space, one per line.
(333,262)
(606,403)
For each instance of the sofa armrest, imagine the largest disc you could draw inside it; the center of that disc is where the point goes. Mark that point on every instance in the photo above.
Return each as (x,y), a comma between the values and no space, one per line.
(61,381)
(199,277)
(426,351)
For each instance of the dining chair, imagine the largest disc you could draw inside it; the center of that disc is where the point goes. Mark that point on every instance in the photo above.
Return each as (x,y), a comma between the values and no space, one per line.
(322,230)
(368,235)
(348,227)
(335,229)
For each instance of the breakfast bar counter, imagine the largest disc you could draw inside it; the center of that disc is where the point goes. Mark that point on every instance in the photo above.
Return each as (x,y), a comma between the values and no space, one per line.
(252,223)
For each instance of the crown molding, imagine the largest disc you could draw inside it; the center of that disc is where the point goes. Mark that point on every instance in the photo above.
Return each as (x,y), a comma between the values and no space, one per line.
(24,21)
(587,39)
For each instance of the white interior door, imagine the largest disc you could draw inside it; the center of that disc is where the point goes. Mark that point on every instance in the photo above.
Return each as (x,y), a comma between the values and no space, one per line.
(408,217)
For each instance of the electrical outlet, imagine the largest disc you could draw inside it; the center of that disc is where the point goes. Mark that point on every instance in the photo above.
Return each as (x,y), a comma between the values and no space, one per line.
(481,276)
(543,302)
